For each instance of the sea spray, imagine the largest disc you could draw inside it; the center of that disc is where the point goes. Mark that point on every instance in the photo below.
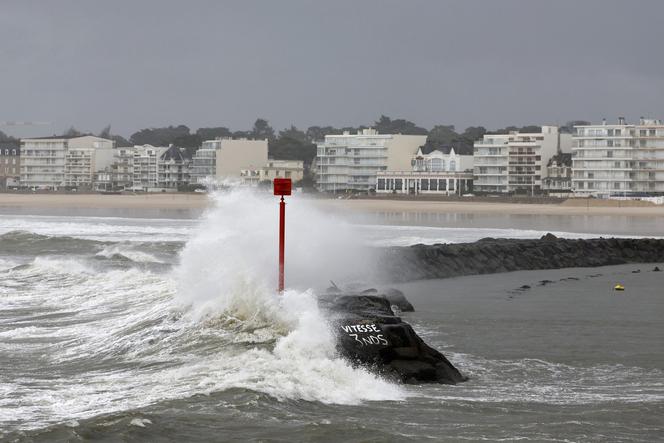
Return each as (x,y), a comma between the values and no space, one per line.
(234,251)
(227,279)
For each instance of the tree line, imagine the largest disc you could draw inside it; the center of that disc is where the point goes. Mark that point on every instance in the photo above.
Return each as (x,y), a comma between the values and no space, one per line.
(295,144)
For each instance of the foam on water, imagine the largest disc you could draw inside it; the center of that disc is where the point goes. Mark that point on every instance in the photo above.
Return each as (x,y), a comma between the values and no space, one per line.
(119,339)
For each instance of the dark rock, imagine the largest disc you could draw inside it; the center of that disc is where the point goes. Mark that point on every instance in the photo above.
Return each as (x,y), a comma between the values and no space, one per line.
(545,282)
(656,269)
(371,335)
(490,255)
(399,300)
(524,287)
(638,271)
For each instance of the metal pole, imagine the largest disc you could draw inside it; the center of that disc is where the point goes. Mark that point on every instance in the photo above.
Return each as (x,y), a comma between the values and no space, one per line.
(282,236)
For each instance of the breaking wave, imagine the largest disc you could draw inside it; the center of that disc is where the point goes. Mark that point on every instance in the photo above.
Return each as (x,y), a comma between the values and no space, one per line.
(114,339)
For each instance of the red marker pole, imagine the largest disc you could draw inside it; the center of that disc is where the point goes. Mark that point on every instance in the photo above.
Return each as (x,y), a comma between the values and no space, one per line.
(282,186)
(282,240)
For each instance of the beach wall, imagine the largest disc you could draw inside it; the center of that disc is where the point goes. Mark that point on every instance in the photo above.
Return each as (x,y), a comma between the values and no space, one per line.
(488,256)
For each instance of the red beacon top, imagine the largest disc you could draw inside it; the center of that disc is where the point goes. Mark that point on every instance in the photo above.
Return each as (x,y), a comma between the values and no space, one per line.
(282,186)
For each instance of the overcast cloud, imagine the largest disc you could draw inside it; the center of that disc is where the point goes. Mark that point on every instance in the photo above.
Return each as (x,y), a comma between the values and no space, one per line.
(135,64)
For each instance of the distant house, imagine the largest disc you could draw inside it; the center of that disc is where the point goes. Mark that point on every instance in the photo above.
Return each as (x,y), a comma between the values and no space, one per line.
(173,169)
(558,174)
(10,166)
(293,169)
(439,172)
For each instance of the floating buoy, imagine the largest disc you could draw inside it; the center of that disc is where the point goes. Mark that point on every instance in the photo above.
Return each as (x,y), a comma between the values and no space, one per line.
(618,287)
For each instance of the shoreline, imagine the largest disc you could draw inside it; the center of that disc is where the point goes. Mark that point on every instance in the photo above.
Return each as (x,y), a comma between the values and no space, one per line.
(196,201)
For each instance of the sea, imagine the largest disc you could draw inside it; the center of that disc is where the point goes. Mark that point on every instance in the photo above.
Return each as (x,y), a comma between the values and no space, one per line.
(166,326)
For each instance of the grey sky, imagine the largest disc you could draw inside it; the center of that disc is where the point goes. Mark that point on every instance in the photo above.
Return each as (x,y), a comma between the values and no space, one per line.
(135,64)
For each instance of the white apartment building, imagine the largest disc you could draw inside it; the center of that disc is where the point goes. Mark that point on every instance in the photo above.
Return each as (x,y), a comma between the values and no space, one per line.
(515,162)
(86,156)
(122,170)
(351,161)
(145,175)
(204,162)
(226,158)
(235,155)
(619,159)
(434,173)
(293,169)
(54,162)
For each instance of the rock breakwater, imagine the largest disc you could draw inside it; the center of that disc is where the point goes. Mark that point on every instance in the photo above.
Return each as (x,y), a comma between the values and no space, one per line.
(490,255)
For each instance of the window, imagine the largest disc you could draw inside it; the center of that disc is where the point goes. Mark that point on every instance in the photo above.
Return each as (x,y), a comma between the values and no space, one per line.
(437,164)
(609,154)
(452,165)
(616,164)
(616,185)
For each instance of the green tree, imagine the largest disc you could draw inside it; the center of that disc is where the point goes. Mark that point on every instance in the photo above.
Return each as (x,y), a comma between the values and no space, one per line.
(317,133)
(212,133)
(262,130)
(72,132)
(8,140)
(385,125)
(569,126)
(292,144)
(159,136)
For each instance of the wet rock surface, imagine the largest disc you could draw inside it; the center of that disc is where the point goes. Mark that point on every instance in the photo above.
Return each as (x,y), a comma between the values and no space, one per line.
(370,334)
(490,255)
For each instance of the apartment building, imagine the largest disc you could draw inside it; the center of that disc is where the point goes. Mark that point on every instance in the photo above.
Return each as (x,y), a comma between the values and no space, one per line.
(439,172)
(56,162)
(204,161)
(10,166)
(351,161)
(619,159)
(43,162)
(84,158)
(226,158)
(515,162)
(293,169)
(233,156)
(122,169)
(145,174)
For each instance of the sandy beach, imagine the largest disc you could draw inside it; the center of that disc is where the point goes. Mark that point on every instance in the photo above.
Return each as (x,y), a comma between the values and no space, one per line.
(200,201)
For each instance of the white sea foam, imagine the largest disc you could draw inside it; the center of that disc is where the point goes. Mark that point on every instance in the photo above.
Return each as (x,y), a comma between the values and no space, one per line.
(101,228)
(133,337)
(129,253)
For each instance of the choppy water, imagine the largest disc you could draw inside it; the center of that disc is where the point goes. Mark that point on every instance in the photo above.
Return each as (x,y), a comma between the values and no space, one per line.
(157,329)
